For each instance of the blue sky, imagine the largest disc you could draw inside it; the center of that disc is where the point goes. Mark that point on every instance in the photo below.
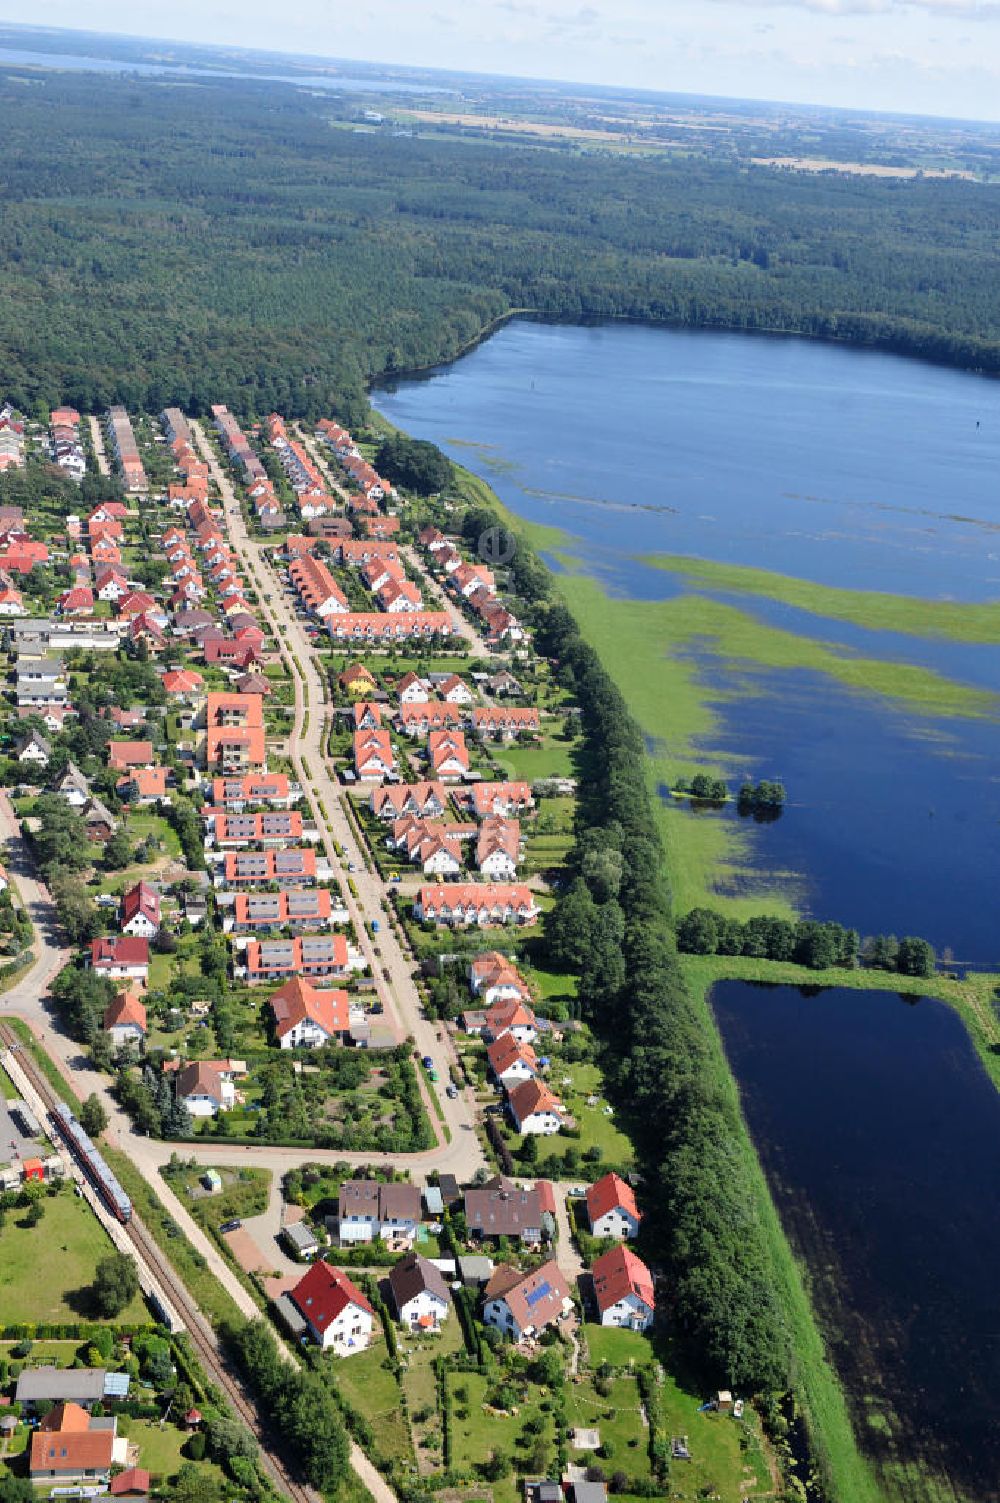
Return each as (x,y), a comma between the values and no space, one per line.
(937,57)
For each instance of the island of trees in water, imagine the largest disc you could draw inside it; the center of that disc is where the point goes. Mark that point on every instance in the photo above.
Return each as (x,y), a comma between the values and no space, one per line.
(239,242)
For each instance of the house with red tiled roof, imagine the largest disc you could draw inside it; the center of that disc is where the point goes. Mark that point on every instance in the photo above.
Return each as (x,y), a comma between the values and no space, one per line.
(504,721)
(447,755)
(76,602)
(140,911)
(258,913)
(367,716)
(511,1062)
(534,1109)
(488,904)
(120,957)
(123,755)
(70,1444)
(305,955)
(144,785)
(307,1017)
(125,1019)
(498,848)
(510,1015)
(373,755)
(110,583)
(133,1483)
(612,1209)
(181,682)
(423,716)
(11,602)
(336,1313)
(493,978)
(427,799)
(234,736)
(623,1290)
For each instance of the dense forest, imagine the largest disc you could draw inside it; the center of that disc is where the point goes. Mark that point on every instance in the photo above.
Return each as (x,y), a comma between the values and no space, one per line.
(240,241)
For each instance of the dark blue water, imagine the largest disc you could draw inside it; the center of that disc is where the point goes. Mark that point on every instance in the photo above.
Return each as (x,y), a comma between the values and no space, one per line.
(851,468)
(840,465)
(879,1131)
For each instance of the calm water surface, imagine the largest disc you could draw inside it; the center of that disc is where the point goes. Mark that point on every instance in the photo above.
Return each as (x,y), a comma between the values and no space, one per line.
(879,1131)
(833,464)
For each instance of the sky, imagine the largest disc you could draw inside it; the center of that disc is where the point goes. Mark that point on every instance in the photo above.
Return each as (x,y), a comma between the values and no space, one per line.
(931,57)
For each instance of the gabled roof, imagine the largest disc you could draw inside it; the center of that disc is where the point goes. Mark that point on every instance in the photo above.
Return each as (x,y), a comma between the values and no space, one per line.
(199,1078)
(119,949)
(323,1293)
(126,1010)
(619,1273)
(416,1275)
(610,1193)
(533,1096)
(505,1052)
(298,1002)
(134,1482)
(534,1299)
(141,899)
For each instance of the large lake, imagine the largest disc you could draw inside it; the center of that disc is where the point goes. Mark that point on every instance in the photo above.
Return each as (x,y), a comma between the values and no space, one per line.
(877,1126)
(837,465)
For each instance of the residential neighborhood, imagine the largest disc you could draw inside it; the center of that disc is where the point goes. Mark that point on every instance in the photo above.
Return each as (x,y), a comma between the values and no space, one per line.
(303,792)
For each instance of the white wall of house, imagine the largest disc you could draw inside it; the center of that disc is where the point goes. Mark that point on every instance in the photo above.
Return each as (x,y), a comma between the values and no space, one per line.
(349,1333)
(421,1307)
(305,1035)
(540,1122)
(616,1223)
(631,1313)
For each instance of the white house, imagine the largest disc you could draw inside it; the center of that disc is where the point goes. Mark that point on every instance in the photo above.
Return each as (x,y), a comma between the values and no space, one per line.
(34,750)
(368,1209)
(623,1290)
(140,911)
(306,1017)
(419,1294)
(337,1314)
(612,1209)
(125,1020)
(205,1089)
(534,1108)
(511,1062)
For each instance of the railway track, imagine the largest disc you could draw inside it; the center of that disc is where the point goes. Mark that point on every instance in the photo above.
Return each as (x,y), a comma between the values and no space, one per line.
(200,1333)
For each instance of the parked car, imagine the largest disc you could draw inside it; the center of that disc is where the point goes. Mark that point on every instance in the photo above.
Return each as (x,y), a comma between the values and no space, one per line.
(452,1092)
(231,1226)
(427,1062)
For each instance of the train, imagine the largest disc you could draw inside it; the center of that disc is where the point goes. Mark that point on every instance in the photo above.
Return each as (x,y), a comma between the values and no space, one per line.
(91,1162)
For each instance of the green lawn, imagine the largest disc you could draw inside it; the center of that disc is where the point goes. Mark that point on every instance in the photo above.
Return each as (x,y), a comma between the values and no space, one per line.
(597,1130)
(7,1087)
(45,1268)
(619,1348)
(160,1448)
(368,1384)
(553,758)
(618,1418)
(476,1431)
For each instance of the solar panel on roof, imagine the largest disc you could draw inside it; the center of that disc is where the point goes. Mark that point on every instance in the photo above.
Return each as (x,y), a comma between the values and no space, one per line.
(542,1292)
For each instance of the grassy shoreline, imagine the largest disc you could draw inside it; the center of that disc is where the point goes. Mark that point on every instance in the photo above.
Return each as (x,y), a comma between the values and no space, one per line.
(947,620)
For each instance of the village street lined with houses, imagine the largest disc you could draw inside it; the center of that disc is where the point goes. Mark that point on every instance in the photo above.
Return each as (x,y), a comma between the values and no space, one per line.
(286,812)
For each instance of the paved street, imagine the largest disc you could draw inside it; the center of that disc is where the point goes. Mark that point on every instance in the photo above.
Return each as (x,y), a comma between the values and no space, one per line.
(384,953)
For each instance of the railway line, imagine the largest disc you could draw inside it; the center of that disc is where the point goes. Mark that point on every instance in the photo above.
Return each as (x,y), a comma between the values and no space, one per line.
(200,1333)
